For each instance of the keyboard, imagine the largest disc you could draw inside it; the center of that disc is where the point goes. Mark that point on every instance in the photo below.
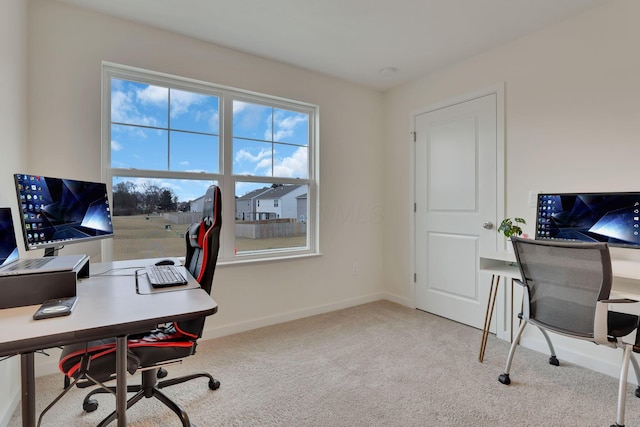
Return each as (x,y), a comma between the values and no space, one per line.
(161,276)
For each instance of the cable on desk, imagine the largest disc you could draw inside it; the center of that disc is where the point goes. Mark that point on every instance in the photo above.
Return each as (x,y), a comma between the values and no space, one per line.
(104,273)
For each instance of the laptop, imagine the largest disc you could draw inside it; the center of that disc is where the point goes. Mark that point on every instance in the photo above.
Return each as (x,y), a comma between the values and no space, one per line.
(12,265)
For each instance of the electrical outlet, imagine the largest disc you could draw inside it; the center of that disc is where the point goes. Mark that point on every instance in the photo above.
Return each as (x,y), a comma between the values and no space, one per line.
(533,198)
(355,269)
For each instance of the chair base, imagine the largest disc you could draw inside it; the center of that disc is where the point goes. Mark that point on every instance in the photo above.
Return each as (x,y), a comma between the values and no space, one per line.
(150,387)
(504,379)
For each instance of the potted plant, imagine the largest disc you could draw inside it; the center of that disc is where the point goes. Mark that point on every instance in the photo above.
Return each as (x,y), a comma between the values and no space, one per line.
(510,227)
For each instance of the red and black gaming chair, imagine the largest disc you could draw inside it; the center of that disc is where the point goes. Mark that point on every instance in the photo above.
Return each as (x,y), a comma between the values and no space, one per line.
(95,362)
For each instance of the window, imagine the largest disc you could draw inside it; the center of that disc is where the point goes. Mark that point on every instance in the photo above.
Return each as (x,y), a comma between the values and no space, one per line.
(166,139)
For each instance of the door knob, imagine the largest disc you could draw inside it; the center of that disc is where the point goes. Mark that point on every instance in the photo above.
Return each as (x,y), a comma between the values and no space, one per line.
(487,225)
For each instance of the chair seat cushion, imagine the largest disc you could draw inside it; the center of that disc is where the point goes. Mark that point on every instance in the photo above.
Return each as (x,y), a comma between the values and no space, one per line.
(621,324)
(571,318)
(159,345)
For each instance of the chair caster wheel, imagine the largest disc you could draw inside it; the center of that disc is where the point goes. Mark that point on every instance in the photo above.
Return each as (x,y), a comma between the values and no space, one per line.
(504,379)
(554,361)
(214,384)
(638,391)
(162,373)
(90,405)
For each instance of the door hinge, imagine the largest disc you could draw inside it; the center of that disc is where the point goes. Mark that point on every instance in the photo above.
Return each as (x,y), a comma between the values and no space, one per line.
(415,278)
(415,207)
(414,136)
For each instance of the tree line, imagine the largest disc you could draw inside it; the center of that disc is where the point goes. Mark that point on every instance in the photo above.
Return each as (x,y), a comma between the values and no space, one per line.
(146,198)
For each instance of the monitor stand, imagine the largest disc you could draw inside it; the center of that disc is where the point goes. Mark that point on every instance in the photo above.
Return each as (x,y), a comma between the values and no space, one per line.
(52,251)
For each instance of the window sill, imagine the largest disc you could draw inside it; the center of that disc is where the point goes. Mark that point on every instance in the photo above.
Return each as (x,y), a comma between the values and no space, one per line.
(241,260)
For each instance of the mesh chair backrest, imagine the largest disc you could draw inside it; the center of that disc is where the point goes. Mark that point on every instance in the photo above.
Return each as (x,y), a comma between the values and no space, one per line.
(565,281)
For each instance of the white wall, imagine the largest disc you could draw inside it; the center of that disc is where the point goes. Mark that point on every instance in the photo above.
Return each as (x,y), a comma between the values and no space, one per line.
(572,120)
(67,46)
(572,124)
(13,122)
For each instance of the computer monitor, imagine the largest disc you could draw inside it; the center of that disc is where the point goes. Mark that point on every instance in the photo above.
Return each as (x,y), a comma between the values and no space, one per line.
(613,218)
(57,211)
(8,246)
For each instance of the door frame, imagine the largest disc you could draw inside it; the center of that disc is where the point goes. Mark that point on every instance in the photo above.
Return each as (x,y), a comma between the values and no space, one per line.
(498,90)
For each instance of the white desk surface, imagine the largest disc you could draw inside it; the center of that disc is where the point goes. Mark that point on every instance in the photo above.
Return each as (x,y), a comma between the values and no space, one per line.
(108,306)
(499,263)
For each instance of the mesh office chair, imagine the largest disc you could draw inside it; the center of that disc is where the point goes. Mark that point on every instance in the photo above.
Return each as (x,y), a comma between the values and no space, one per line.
(95,362)
(566,288)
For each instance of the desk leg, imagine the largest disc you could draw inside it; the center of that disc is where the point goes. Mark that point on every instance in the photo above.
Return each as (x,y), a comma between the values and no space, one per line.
(511,314)
(28,390)
(121,380)
(491,302)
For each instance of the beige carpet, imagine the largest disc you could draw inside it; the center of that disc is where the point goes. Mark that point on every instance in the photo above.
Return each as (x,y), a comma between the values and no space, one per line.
(377,364)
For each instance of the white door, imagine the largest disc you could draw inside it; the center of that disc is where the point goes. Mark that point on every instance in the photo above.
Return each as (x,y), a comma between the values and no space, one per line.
(456,186)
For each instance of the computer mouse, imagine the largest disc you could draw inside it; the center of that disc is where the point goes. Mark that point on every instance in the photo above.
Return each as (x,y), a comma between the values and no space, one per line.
(165,262)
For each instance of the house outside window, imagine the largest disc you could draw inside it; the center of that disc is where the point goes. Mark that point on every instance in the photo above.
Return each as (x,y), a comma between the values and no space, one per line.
(166,139)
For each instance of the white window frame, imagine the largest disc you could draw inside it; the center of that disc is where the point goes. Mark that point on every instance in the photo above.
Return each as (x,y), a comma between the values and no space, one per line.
(226,180)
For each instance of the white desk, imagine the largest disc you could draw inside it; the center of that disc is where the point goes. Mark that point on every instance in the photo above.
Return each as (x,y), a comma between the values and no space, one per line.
(108,306)
(499,265)
(503,265)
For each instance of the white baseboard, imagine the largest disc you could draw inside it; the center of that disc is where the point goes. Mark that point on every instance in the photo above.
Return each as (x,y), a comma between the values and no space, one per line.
(598,358)
(398,300)
(607,362)
(49,365)
(11,408)
(221,331)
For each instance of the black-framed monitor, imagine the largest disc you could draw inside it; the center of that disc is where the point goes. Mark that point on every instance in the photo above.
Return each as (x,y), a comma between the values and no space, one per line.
(56,211)
(613,218)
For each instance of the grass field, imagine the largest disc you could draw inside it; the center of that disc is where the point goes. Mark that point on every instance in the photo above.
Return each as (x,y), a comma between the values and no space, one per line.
(139,237)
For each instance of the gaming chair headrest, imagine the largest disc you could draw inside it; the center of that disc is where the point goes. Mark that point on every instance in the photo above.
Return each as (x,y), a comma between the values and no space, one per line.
(209,202)
(210,216)
(196,235)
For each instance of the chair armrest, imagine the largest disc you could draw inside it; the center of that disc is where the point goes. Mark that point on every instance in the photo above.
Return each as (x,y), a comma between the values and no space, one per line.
(600,326)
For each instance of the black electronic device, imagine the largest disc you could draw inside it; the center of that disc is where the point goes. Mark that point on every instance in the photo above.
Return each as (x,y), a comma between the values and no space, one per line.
(56,211)
(613,218)
(163,276)
(55,308)
(166,262)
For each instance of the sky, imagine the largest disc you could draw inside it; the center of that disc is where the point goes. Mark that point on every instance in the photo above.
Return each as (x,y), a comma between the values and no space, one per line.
(164,129)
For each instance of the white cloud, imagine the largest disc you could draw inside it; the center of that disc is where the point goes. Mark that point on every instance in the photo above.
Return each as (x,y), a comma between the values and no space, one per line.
(294,166)
(244,155)
(182,101)
(264,166)
(239,106)
(249,116)
(115,146)
(123,109)
(214,121)
(286,127)
(152,95)
(121,106)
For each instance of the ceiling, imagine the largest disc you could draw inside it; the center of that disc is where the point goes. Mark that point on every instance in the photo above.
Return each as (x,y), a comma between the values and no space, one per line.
(351,39)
